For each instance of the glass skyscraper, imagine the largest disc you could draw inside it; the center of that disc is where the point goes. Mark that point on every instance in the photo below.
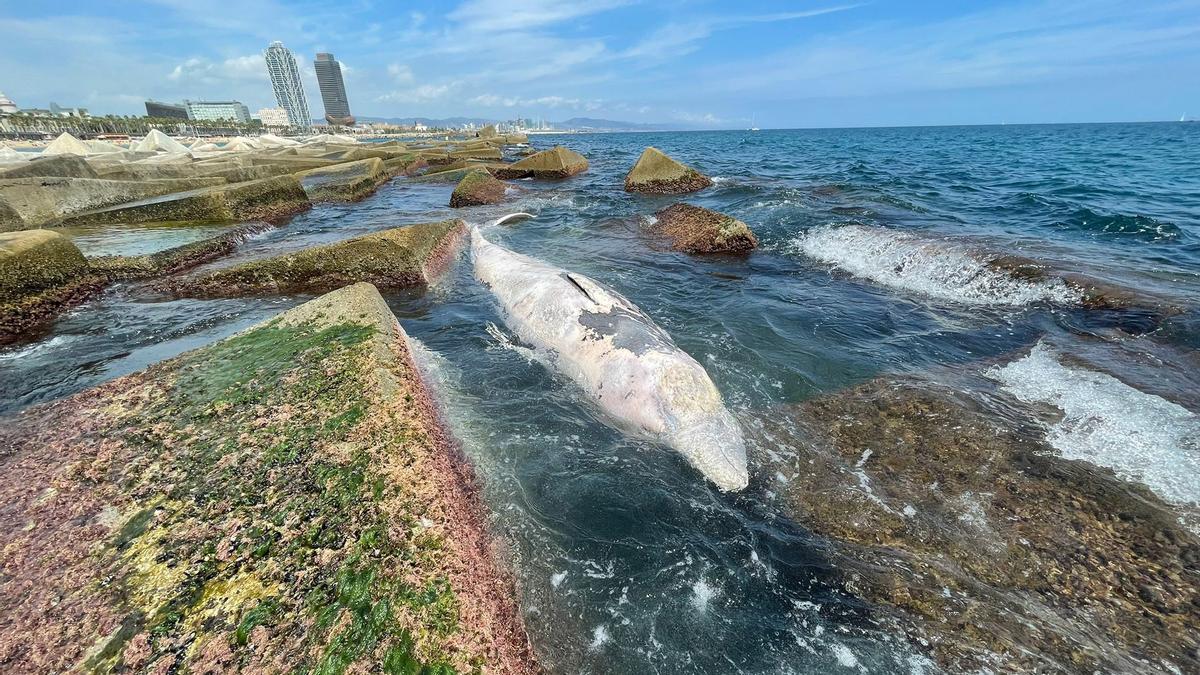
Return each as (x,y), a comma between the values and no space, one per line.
(333,90)
(289,91)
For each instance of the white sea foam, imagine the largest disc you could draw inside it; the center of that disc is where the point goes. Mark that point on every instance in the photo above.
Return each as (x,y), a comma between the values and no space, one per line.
(936,268)
(702,594)
(1140,436)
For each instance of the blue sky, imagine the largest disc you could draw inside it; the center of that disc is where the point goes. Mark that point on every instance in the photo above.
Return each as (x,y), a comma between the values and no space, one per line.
(694,62)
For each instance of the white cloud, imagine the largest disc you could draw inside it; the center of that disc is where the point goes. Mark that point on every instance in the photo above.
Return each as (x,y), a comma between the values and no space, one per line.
(249,68)
(425,93)
(505,15)
(677,39)
(497,101)
(400,73)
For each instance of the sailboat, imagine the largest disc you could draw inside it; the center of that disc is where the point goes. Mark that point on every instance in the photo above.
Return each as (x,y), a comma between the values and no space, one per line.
(753,126)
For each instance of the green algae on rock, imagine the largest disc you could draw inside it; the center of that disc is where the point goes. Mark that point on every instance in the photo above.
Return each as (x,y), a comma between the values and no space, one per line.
(37,202)
(283,500)
(253,200)
(41,274)
(984,545)
(397,258)
(694,229)
(553,164)
(477,188)
(656,173)
(346,182)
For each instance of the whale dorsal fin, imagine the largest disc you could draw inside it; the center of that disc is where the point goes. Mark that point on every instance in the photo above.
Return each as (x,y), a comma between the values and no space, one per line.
(595,292)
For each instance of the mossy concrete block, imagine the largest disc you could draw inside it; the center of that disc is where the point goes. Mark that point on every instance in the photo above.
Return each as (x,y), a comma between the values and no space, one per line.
(346,182)
(35,260)
(553,164)
(397,258)
(408,164)
(178,258)
(45,201)
(41,273)
(253,200)
(476,189)
(656,173)
(293,164)
(478,153)
(282,500)
(488,131)
(64,166)
(694,229)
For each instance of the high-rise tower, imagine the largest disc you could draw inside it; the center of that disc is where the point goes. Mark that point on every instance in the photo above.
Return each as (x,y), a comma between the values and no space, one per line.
(333,90)
(289,91)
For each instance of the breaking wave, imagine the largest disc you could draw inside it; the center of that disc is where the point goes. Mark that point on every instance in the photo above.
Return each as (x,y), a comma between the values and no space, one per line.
(936,268)
(1142,437)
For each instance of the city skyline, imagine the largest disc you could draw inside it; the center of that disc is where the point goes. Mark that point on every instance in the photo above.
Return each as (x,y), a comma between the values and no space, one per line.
(692,63)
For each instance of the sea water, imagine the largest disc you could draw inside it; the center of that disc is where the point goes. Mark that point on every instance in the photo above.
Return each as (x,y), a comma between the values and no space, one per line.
(628,561)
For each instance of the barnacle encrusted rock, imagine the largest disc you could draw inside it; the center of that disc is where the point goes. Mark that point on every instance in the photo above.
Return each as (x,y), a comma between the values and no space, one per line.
(395,258)
(656,173)
(983,544)
(282,500)
(477,188)
(694,229)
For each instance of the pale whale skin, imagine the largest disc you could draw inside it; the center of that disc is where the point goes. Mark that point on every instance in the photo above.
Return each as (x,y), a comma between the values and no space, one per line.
(617,354)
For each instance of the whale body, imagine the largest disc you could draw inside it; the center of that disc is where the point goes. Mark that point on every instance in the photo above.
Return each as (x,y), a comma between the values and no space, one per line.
(618,356)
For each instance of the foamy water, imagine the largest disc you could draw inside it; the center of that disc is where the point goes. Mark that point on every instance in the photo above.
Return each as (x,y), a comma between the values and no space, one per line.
(937,268)
(1140,436)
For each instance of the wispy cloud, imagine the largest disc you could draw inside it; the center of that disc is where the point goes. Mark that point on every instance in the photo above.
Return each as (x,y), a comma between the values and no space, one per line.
(529,15)
(679,38)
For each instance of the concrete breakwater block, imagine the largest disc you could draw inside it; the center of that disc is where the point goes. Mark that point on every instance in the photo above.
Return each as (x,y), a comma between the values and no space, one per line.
(396,258)
(345,182)
(283,499)
(41,273)
(253,200)
(35,202)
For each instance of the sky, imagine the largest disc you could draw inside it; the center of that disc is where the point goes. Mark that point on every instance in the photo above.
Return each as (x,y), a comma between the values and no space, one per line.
(696,63)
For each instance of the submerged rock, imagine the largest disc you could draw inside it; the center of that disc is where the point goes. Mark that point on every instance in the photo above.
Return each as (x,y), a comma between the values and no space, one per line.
(986,547)
(178,258)
(253,200)
(63,166)
(555,163)
(477,188)
(694,229)
(656,173)
(284,499)
(397,258)
(41,273)
(347,182)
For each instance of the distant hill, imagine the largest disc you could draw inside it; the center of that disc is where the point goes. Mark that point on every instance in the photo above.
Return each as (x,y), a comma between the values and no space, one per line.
(589,123)
(614,125)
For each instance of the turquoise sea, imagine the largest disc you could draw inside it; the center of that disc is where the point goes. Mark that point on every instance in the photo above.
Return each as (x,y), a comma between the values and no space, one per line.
(868,265)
